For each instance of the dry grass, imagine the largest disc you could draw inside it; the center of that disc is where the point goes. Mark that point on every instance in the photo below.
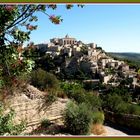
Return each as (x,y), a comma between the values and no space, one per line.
(62,95)
(98,129)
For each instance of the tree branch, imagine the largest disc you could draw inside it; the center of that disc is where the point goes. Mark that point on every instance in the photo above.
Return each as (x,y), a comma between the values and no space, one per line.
(13,23)
(26,16)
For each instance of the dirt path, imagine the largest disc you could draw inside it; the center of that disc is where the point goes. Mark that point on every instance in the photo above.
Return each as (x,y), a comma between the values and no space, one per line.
(114,132)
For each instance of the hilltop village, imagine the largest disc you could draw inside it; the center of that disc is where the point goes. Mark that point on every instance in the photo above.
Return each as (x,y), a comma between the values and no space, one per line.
(92,60)
(73,88)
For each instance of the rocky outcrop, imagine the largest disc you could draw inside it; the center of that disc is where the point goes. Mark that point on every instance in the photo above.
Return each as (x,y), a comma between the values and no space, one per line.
(31,106)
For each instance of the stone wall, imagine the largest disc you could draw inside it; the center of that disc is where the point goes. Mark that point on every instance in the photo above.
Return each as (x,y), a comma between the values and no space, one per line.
(128,120)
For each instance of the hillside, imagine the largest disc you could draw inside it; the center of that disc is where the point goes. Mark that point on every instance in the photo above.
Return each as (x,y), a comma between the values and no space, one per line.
(129,56)
(133,59)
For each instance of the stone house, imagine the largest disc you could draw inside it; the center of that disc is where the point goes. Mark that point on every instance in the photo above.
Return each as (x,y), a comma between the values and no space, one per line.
(64,41)
(106,78)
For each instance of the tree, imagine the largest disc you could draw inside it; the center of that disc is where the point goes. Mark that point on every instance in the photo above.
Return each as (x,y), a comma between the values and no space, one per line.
(16,24)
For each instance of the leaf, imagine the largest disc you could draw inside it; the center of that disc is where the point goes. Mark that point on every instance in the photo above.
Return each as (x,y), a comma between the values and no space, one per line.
(52,6)
(69,6)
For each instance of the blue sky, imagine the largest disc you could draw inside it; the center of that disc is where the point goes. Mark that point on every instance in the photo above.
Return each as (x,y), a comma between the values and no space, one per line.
(116,28)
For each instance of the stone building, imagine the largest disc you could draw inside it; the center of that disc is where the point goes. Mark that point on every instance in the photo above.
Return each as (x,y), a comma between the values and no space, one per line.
(125,67)
(64,41)
(106,78)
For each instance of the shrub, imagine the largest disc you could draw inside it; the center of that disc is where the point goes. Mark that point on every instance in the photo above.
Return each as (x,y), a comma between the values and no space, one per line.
(113,102)
(44,80)
(74,91)
(94,102)
(45,123)
(90,85)
(98,117)
(51,81)
(38,78)
(50,98)
(77,118)
(78,95)
(134,109)
(68,87)
(7,126)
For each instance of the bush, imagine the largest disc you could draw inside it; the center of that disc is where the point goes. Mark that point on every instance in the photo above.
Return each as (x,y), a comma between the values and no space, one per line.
(44,80)
(77,118)
(113,102)
(122,108)
(74,91)
(94,102)
(90,85)
(50,98)
(134,109)
(7,126)
(78,95)
(69,87)
(98,118)
(45,123)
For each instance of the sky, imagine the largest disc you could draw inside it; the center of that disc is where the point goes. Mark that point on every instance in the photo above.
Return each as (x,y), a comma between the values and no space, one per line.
(115,28)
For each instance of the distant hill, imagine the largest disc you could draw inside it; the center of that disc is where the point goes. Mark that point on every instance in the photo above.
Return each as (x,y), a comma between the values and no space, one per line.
(133,59)
(129,56)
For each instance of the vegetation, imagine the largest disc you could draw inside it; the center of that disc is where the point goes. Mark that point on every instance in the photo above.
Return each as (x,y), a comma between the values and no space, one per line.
(123,92)
(17,23)
(94,101)
(84,111)
(76,92)
(45,123)
(77,119)
(98,129)
(17,63)
(115,103)
(44,80)
(7,126)
(98,117)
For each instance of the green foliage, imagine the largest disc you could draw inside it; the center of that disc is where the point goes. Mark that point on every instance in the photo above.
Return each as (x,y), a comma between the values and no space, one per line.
(98,117)
(139,71)
(1,83)
(77,118)
(51,97)
(113,103)
(16,24)
(46,62)
(117,104)
(134,109)
(90,85)
(45,123)
(51,81)
(123,92)
(94,102)
(7,126)
(44,80)
(69,87)
(74,91)
(38,78)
